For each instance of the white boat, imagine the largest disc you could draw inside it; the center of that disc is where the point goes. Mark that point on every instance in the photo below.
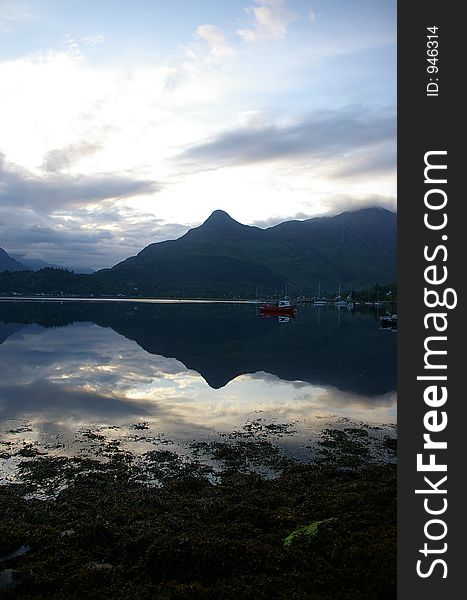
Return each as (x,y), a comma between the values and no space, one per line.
(338,299)
(320,301)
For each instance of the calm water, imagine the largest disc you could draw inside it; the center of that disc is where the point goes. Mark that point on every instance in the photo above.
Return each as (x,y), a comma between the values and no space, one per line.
(149,374)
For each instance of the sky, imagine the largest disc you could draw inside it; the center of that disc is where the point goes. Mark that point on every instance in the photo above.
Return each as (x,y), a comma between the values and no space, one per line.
(126,123)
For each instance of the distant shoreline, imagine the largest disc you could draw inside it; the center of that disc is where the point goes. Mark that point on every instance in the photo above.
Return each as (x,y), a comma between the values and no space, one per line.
(164,300)
(115,299)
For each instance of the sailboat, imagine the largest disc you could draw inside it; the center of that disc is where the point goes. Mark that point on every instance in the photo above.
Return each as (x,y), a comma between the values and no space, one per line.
(319,301)
(338,299)
(378,303)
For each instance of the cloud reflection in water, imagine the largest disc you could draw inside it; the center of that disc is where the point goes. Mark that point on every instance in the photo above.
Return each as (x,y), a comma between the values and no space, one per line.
(84,374)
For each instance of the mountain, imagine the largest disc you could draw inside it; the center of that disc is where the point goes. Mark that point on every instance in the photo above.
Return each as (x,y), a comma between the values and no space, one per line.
(36,264)
(8,263)
(223,258)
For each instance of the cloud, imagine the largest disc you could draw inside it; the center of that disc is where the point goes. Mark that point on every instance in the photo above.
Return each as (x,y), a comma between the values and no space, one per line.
(89,233)
(93,240)
(328,134)
(76,220)
(216,39)
(252,119)
(275,220)
(270,378)
(376,161)
(72,47)
(62,158)
(271,20)
(333,205)
(93,40)
(50,399)
(21,188)
(336,204)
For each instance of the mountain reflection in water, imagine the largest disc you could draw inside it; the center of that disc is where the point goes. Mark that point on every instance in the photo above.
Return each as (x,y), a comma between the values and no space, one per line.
(189,368)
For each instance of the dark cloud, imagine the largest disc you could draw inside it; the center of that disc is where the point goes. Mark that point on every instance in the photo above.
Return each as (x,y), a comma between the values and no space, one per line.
(21,188)
(48,217)
(80,242)
(38,234)
(320,136)
(45,398)
(381,160)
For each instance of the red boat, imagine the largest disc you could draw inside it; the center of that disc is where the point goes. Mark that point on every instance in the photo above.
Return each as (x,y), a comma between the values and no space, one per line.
(282,308)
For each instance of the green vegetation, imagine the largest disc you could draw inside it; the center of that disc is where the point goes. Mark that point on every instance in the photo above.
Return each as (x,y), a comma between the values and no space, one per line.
(310,530)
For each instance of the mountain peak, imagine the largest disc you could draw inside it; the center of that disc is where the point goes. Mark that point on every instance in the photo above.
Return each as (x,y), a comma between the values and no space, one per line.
(219,225)
(219,217)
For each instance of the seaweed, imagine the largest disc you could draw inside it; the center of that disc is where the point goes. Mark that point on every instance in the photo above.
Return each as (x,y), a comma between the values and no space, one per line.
(251,524)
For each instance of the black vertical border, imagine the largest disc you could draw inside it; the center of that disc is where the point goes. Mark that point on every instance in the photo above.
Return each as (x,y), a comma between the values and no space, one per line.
(424,124)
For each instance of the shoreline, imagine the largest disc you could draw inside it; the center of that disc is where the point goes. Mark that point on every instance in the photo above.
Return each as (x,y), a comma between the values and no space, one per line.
(175,527)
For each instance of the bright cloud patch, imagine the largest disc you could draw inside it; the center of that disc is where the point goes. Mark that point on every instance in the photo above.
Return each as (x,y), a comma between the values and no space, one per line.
(216,39)
(271,20)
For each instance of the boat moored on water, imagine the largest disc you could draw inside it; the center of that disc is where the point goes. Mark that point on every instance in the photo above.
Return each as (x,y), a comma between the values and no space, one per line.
(339,302)
(338,299)
(320,302)
(281,308)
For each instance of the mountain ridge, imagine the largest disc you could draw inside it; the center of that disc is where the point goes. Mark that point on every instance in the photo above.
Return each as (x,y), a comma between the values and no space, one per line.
(36,264)
(8,263)
(225,251)
(225,258)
